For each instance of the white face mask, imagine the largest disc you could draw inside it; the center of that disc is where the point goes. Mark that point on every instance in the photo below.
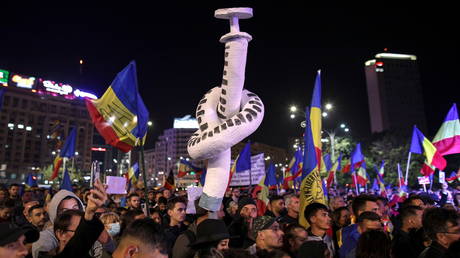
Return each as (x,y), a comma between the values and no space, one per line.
(114,229)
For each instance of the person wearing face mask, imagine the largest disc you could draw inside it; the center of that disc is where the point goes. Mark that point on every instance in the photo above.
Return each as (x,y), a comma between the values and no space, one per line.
(111,223)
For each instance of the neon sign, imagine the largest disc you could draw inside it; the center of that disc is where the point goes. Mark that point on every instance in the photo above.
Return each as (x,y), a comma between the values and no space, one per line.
(83,94)
(23,81)
(4,77)
(59,88)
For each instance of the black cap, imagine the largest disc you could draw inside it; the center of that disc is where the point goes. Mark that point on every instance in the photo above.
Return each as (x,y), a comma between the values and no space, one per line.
(208,231)
(245,201)
(10,233)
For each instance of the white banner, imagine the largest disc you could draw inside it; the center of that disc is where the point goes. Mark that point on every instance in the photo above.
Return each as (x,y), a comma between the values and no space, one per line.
(257,172)
(423,180)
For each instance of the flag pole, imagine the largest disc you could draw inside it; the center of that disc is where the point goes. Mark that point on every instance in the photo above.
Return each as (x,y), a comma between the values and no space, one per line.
(144,176)
(407,168)
(356,182)
(399,176)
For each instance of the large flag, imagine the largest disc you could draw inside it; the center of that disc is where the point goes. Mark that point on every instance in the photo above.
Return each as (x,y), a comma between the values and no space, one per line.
(244,161)
(66,184)
(170,183)
(311,189)
(315,119)
(31,181)
(120,115)
(447,140)
(420,142)
(454,175)
(67,151)
(232,170)
(327,162)
(270,178)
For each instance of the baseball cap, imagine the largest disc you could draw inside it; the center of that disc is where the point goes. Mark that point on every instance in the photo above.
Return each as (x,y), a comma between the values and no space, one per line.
(261,223)
(9,233)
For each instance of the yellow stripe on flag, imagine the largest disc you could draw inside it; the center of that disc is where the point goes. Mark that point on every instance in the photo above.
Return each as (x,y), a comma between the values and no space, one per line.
(120,118)
(311,190)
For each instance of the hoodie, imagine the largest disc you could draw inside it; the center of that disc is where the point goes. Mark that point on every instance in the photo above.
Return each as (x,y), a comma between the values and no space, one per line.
(48,240)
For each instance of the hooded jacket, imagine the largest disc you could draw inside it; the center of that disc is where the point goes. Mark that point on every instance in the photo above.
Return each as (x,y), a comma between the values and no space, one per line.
(48,240)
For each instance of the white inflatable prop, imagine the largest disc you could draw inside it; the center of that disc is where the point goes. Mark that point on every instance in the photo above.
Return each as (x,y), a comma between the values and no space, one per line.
(226,114)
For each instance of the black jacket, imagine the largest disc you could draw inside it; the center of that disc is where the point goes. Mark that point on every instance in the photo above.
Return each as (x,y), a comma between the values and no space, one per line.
(86,234)
(403,245)
(435,250)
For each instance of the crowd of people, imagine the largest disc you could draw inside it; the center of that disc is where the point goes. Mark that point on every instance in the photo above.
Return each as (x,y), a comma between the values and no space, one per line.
(40,222)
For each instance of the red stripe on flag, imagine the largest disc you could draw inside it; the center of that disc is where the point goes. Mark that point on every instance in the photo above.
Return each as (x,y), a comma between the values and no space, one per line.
(104,128)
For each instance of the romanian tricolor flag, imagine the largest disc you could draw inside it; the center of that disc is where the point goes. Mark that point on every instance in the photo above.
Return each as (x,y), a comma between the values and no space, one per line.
(315,119)
(381,171)
(447,140)
(311,189)
(260,195)
(133,173)
(361,175)
(186,167)
(420,144)
(294,170)
(452,177)
(120,115)
(170,182)
(333,170)
(31,181)
(67,151)
(427,169)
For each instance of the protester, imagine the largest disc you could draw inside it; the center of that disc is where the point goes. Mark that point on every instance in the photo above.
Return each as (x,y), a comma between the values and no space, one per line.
(6,210)
(292,203)
(336,202)
(14,240)
(36,216)
(405,242)
(317,216)
(112,223)
(182,247)
(175,226)
(442,226)
(240,227)
(294,236)
(267,235)
(366,221)
(143,238)
(134,201)
(211,234)
(275,207)
(375,244)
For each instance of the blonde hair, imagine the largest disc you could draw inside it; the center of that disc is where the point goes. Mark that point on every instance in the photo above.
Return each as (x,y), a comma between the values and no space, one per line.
(109,217)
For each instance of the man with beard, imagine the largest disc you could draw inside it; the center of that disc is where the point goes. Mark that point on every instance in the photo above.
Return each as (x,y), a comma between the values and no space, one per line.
(36,216)
(241,225)
(267,234)
(276,207)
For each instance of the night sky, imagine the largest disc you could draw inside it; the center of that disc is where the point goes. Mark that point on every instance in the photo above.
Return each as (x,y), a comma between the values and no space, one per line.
(179,56)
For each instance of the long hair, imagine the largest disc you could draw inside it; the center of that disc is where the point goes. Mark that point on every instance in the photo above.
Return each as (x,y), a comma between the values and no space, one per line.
(374,244)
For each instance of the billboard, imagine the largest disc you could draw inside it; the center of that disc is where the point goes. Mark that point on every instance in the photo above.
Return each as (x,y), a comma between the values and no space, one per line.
(22,81)
(4,77)
(257,172)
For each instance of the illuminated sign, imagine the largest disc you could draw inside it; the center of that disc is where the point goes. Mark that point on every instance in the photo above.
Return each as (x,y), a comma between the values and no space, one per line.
(82,94)
(4,77)
(23,81)
(59,88)
(98,149)
(185,122)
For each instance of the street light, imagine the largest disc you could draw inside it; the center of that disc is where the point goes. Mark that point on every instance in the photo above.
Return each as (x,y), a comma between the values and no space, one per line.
(149,123)
(293,109)
(328,106)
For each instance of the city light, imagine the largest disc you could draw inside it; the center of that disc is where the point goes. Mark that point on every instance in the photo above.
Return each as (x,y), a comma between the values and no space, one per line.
(346,130)
(293,108)
(149,123)
(292,116)
(324,114)
(29,128)
(342,125)
(328,106)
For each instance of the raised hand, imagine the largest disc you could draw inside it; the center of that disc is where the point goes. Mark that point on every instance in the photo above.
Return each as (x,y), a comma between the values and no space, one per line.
(96,199)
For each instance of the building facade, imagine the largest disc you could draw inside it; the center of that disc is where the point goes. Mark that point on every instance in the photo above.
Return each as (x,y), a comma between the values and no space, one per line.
(394,93)
(35,119)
